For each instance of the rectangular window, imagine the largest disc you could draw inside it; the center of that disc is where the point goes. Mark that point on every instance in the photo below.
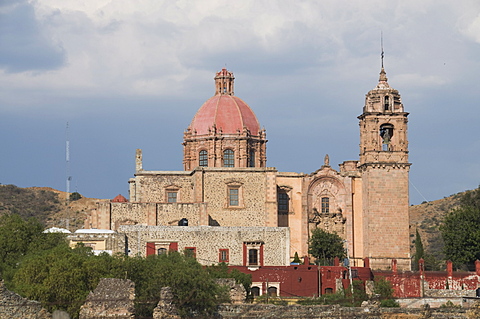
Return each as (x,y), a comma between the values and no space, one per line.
(283,202)
(233,196)
(251,159)
(325,205)
(171,197)
(228,158)
(253,257)
(203,159)
(223,256)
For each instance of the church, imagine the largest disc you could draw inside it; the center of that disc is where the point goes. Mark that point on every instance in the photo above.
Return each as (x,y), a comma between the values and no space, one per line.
(227,205)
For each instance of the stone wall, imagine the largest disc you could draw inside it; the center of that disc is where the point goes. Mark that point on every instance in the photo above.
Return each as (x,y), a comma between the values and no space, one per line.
(208,240)
(13,306)
(113,298)
(253,186)
(157,214)
(237,291)
(385,209)
(151,186)
(254,311)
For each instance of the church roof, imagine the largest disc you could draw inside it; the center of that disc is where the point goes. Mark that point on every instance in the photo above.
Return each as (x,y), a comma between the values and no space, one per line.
(224,113)
(227,114)
(119,199)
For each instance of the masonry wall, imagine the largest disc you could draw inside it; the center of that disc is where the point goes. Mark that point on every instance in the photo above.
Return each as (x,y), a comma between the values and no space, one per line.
(208,241)
(13,306)
(296,217)
(253,311)
(253,207)
(151,186)
(112,298)
(385,212)
(438,284)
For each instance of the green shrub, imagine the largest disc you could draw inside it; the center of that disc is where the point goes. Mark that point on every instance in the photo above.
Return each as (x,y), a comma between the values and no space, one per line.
(390,303)
(75,196)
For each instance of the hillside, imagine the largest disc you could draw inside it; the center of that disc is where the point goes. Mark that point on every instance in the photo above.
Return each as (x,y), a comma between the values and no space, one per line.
(46,204)
(427,218)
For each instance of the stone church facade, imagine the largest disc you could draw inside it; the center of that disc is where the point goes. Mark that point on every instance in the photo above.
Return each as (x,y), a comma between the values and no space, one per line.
(226,183)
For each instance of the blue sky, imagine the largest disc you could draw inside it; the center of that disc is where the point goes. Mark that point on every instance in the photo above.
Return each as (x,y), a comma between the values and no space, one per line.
(132,74)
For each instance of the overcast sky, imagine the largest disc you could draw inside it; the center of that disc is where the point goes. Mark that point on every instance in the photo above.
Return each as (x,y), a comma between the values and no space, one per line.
(131,74)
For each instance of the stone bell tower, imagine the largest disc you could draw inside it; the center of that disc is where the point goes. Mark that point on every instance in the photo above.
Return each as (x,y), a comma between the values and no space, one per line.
(384,169)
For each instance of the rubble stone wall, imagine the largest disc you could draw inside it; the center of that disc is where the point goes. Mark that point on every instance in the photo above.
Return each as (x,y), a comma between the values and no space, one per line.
(208,241)
(113,298)
(253,311)
(13,306)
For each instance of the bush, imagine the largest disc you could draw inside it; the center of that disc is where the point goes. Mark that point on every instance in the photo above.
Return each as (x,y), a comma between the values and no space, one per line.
(75,196)
(389,303)
(383,288)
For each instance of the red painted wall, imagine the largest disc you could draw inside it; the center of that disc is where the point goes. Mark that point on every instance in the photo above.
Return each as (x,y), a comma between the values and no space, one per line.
(295,280)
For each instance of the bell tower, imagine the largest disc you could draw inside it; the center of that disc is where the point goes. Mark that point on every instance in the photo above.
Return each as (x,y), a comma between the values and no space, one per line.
(384,169)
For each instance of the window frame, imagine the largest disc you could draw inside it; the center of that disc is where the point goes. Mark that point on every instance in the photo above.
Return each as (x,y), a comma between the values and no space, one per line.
(325,202)
(203,158)
(233,197)
(223,259)
(172,199)
(251,158)
(233,200)
(253,258)
(283,201)
(228,158)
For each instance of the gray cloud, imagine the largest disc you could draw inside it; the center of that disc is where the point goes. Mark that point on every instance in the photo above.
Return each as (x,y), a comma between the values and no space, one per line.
(24,46)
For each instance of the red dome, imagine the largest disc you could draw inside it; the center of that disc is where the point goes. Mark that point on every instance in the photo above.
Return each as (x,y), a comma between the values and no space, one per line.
(119,199)
(228,113)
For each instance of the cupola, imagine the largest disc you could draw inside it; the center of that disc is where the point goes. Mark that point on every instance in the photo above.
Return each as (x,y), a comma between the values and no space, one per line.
(224,127)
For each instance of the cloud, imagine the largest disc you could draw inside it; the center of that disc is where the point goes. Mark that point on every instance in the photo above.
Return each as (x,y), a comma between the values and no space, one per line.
(25,47)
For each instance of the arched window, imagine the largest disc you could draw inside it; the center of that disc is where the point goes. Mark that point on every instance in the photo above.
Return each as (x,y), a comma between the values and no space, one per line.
(386,133)
(203,159)
(387,103)
(325,205)
(228,158)
(272,291)
(255,291)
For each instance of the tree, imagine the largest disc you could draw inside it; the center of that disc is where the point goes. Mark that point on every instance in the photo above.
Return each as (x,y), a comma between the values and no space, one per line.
(384,290)
(419,252)
(461,233)
(75,196)
(57,278)
(16,234)
(222,271)
(325,246)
